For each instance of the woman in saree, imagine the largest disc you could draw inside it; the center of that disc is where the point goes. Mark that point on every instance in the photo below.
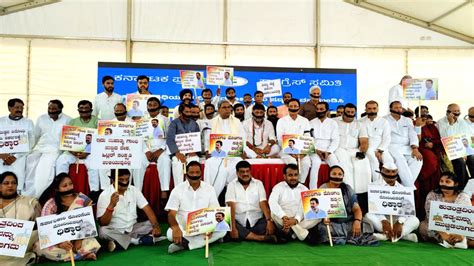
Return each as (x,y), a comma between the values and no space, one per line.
(66,199)
(14,206)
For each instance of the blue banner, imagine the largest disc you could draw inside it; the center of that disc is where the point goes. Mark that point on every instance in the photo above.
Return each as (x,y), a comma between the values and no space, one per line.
(339,86)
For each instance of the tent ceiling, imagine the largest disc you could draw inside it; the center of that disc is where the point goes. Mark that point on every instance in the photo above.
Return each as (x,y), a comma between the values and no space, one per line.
(454,18)
(11,6)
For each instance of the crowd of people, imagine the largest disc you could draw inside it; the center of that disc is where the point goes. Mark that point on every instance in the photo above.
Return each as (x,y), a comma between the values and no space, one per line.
(402,148)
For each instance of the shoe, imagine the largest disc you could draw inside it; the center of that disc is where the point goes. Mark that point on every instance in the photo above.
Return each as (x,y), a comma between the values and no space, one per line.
(380,237)
(111,246)
(146,240)
(411,237)
(172,248)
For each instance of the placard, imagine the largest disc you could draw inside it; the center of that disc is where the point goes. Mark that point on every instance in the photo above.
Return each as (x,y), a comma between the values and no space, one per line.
(208,220)
(70,225)
(422,89)
(298,144)
(149,129)
(220,75)
(77,139)
(116,128)
(110,152)
(137,104)
(390,200)
(188,143)
(452,218)
(14,237)
(323,203)
(13,140)
(457,146)
(225,145)
(270,88)
(192,79)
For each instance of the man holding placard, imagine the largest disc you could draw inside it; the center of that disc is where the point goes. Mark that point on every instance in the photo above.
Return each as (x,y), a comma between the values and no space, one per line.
(104,102)
(381,221)
(396,93)
(15,161)
(181,156)
(191,195)
(261,139)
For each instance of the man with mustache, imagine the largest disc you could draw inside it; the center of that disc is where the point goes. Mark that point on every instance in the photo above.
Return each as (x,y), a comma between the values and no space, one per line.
(41,161)
(452,125)
(206,95)
(404,225)
(16,162)
(261,139)
(258,97)
(142,84)
(239,111)
(105,101)
(308,109)
(404,145)
(230,96)
(117,215)
(272,116)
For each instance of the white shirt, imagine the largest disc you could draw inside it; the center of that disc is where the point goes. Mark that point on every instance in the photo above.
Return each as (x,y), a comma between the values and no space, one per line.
(214,101)
(349,134)
(247,201)
(471,126)
(124,215)
(396,94)
(285,201)
(403,134)
(286,125)
(22,123)
(127,119)
(184,199)
(261,135)
(205,128)
(103,106)
(48,132)
(379,132)
(248,112)
(326,134)
(458,127)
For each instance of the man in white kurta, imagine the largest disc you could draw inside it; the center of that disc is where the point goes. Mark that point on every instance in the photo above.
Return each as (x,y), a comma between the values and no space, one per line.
(105,101)
(16,162)
(326,140)
(206,95)
(293,123)
(258,98)
(396,92)
(191,195)
(286,206)
(379,133)
(218,172)
(261,139)
(353,143)
(40,163)
(403,225)
(404,145)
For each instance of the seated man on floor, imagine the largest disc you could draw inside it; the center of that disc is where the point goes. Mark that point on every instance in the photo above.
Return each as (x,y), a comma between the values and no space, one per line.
(261,139)
(191,195)
(117,215)
(251,218)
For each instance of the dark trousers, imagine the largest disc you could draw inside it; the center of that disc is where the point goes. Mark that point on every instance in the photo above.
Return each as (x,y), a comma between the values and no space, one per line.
(259,228)
(362,198)
(461,168)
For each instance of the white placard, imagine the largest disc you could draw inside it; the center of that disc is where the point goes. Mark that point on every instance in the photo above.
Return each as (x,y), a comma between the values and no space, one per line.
(188,143)
(13,140)
(452,218)
(390,200)
(270,88)
(14,237)
(110,152)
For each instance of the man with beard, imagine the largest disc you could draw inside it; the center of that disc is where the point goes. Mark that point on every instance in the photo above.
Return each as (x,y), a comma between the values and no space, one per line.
(326,140)
(230,95)
(404,145)
(294,124)
(308,109)
(251,217)
(261,140)
(283,109)
(105,101)
(379,132)
(239,111)
(272,116)
(186,97)
(117,215)
(16,162)
(120,112)
(88,147)
(40,163)
(247,100)
(404,225)
(287,209)
(85,119)
(205,126)
(195,112)
(191,195)
(183,125)
(206,95)
(221,223)
(258,97)
(142,84)
(339,111)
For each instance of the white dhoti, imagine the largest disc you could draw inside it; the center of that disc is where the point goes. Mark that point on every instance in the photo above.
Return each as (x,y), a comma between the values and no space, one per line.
(300,229)
(374,162)
(315,164)
(66,159)
(305,164)
(178,168)
(40,172)
(198,241)
(408,167)
(356,172)
(411,223)
(252,155)
(19,168)
(163,164)
(218,173)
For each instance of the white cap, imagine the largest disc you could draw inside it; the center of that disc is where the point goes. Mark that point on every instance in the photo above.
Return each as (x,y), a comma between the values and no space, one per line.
(390,166)
(314,87)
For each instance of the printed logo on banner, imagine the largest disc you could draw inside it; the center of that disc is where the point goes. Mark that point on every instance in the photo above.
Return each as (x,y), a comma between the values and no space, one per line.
(13,140)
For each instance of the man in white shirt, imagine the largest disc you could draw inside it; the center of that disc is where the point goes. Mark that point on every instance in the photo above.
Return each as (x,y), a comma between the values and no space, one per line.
(16,162)
(117,215)
(191,195)
(379,132)
(404,225)
(452,125)
(251,217)
(105,101)
(40,163)
(404,145)
(261,140)
(326,140)
(353,144)
(239,111)
(230,95)
(218,172)
(205,126)
(396,92)
(287,209)
(120,112)
(293,123)
(142,84)
(206,95)
(258,98)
